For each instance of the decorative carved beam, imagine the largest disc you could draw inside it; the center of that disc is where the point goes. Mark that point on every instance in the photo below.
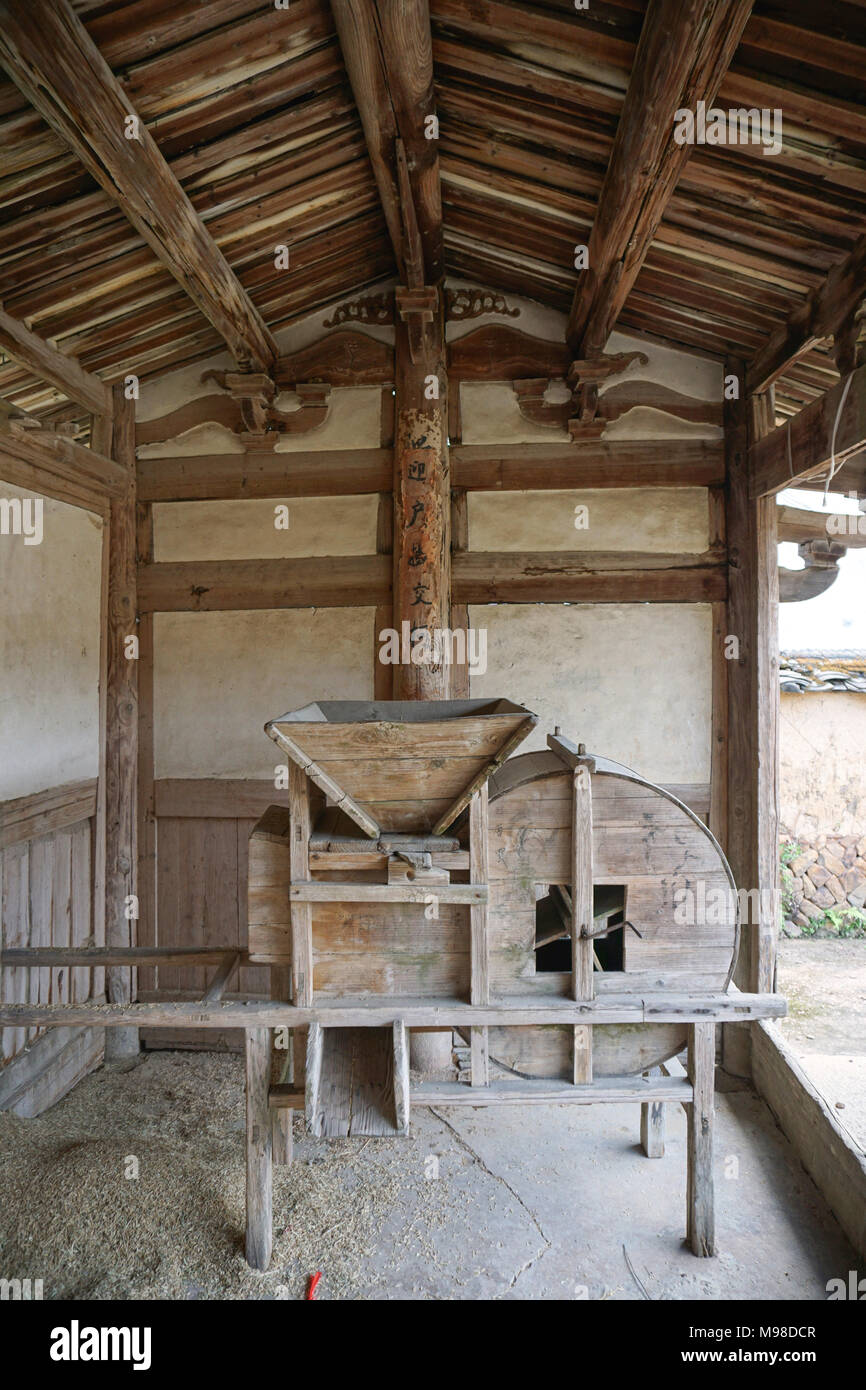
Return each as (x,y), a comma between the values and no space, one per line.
(684,51)
(388,53)
(50,56)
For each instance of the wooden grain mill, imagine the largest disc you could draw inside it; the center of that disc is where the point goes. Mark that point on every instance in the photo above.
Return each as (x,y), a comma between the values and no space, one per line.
(417,897)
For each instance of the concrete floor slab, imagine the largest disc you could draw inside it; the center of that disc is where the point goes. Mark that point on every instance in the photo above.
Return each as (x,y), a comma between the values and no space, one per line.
(553,1203)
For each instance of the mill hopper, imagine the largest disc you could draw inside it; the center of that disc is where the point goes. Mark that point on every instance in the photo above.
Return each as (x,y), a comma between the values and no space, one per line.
(404,766)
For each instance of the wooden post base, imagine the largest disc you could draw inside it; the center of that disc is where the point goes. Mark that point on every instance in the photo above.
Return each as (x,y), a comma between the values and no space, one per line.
(259,1237)
(700,1201)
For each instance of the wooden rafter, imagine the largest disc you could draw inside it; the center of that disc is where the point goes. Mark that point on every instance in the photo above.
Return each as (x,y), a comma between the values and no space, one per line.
(823,313)
(388,54)
(46,362)
(50,56)
(684,51)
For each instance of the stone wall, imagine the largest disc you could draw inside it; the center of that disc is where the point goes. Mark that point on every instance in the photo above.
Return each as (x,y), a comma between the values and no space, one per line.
(827,876)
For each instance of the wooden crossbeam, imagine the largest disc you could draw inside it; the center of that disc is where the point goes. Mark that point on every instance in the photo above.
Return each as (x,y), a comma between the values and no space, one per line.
(344,581)
(231,585)
(50,56)
(388,53)
(586,577)
(802,448)
(52,366)
(615,463)
(60,467)
(612,1090)
(32,957)
(821,315)
(415,1013)
(684,51)
(798,524)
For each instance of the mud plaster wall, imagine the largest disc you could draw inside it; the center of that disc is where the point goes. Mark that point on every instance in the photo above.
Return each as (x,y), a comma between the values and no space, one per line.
(219,676)
(822,739)
(49,651)
(632,680)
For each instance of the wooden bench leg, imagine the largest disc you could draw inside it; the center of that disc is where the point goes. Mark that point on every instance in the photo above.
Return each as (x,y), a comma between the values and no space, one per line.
(701,1226)
(652,1125)
(281,1068)
(259,1239)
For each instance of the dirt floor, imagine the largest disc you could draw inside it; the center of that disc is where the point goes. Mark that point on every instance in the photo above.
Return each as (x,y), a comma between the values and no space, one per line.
(474,1205)
(824,982)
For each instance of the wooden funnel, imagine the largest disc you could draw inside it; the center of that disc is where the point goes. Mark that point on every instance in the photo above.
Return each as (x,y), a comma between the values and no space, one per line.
(395,765)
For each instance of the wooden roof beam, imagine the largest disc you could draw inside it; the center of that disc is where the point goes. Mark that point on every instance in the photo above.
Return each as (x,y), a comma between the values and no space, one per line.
(823,314)
(39,357)
(684,51)
(388,53)
(50,56)
(801,450)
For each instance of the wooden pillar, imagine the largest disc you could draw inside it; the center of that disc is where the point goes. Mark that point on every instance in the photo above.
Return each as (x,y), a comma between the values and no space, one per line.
(422,494)
(583,985)
(700,1196)
(299,872)
(118,780)
(259,1237)
(752,645)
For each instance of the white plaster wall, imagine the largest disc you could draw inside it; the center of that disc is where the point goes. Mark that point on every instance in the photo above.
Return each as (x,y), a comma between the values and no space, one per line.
(218,677)
(352,422)
(822,748)
(490,411)
(646,519)
(49,651)
(631,681)
(246,530)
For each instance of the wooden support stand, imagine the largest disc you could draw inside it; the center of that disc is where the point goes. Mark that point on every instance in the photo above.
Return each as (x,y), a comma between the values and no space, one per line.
(259,1239)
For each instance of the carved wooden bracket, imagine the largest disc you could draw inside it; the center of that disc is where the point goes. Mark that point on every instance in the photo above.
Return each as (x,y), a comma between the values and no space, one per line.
(417,309)
(585,378)
(587,413)
(247,408)
(473,302)
(579,414)
(370,308)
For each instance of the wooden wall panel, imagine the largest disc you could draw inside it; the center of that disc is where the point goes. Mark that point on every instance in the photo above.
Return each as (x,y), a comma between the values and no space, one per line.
(46,899)
(201,877)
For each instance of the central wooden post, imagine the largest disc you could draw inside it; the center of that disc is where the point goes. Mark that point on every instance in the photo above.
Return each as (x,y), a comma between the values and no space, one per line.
(422,498)
(116,908)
